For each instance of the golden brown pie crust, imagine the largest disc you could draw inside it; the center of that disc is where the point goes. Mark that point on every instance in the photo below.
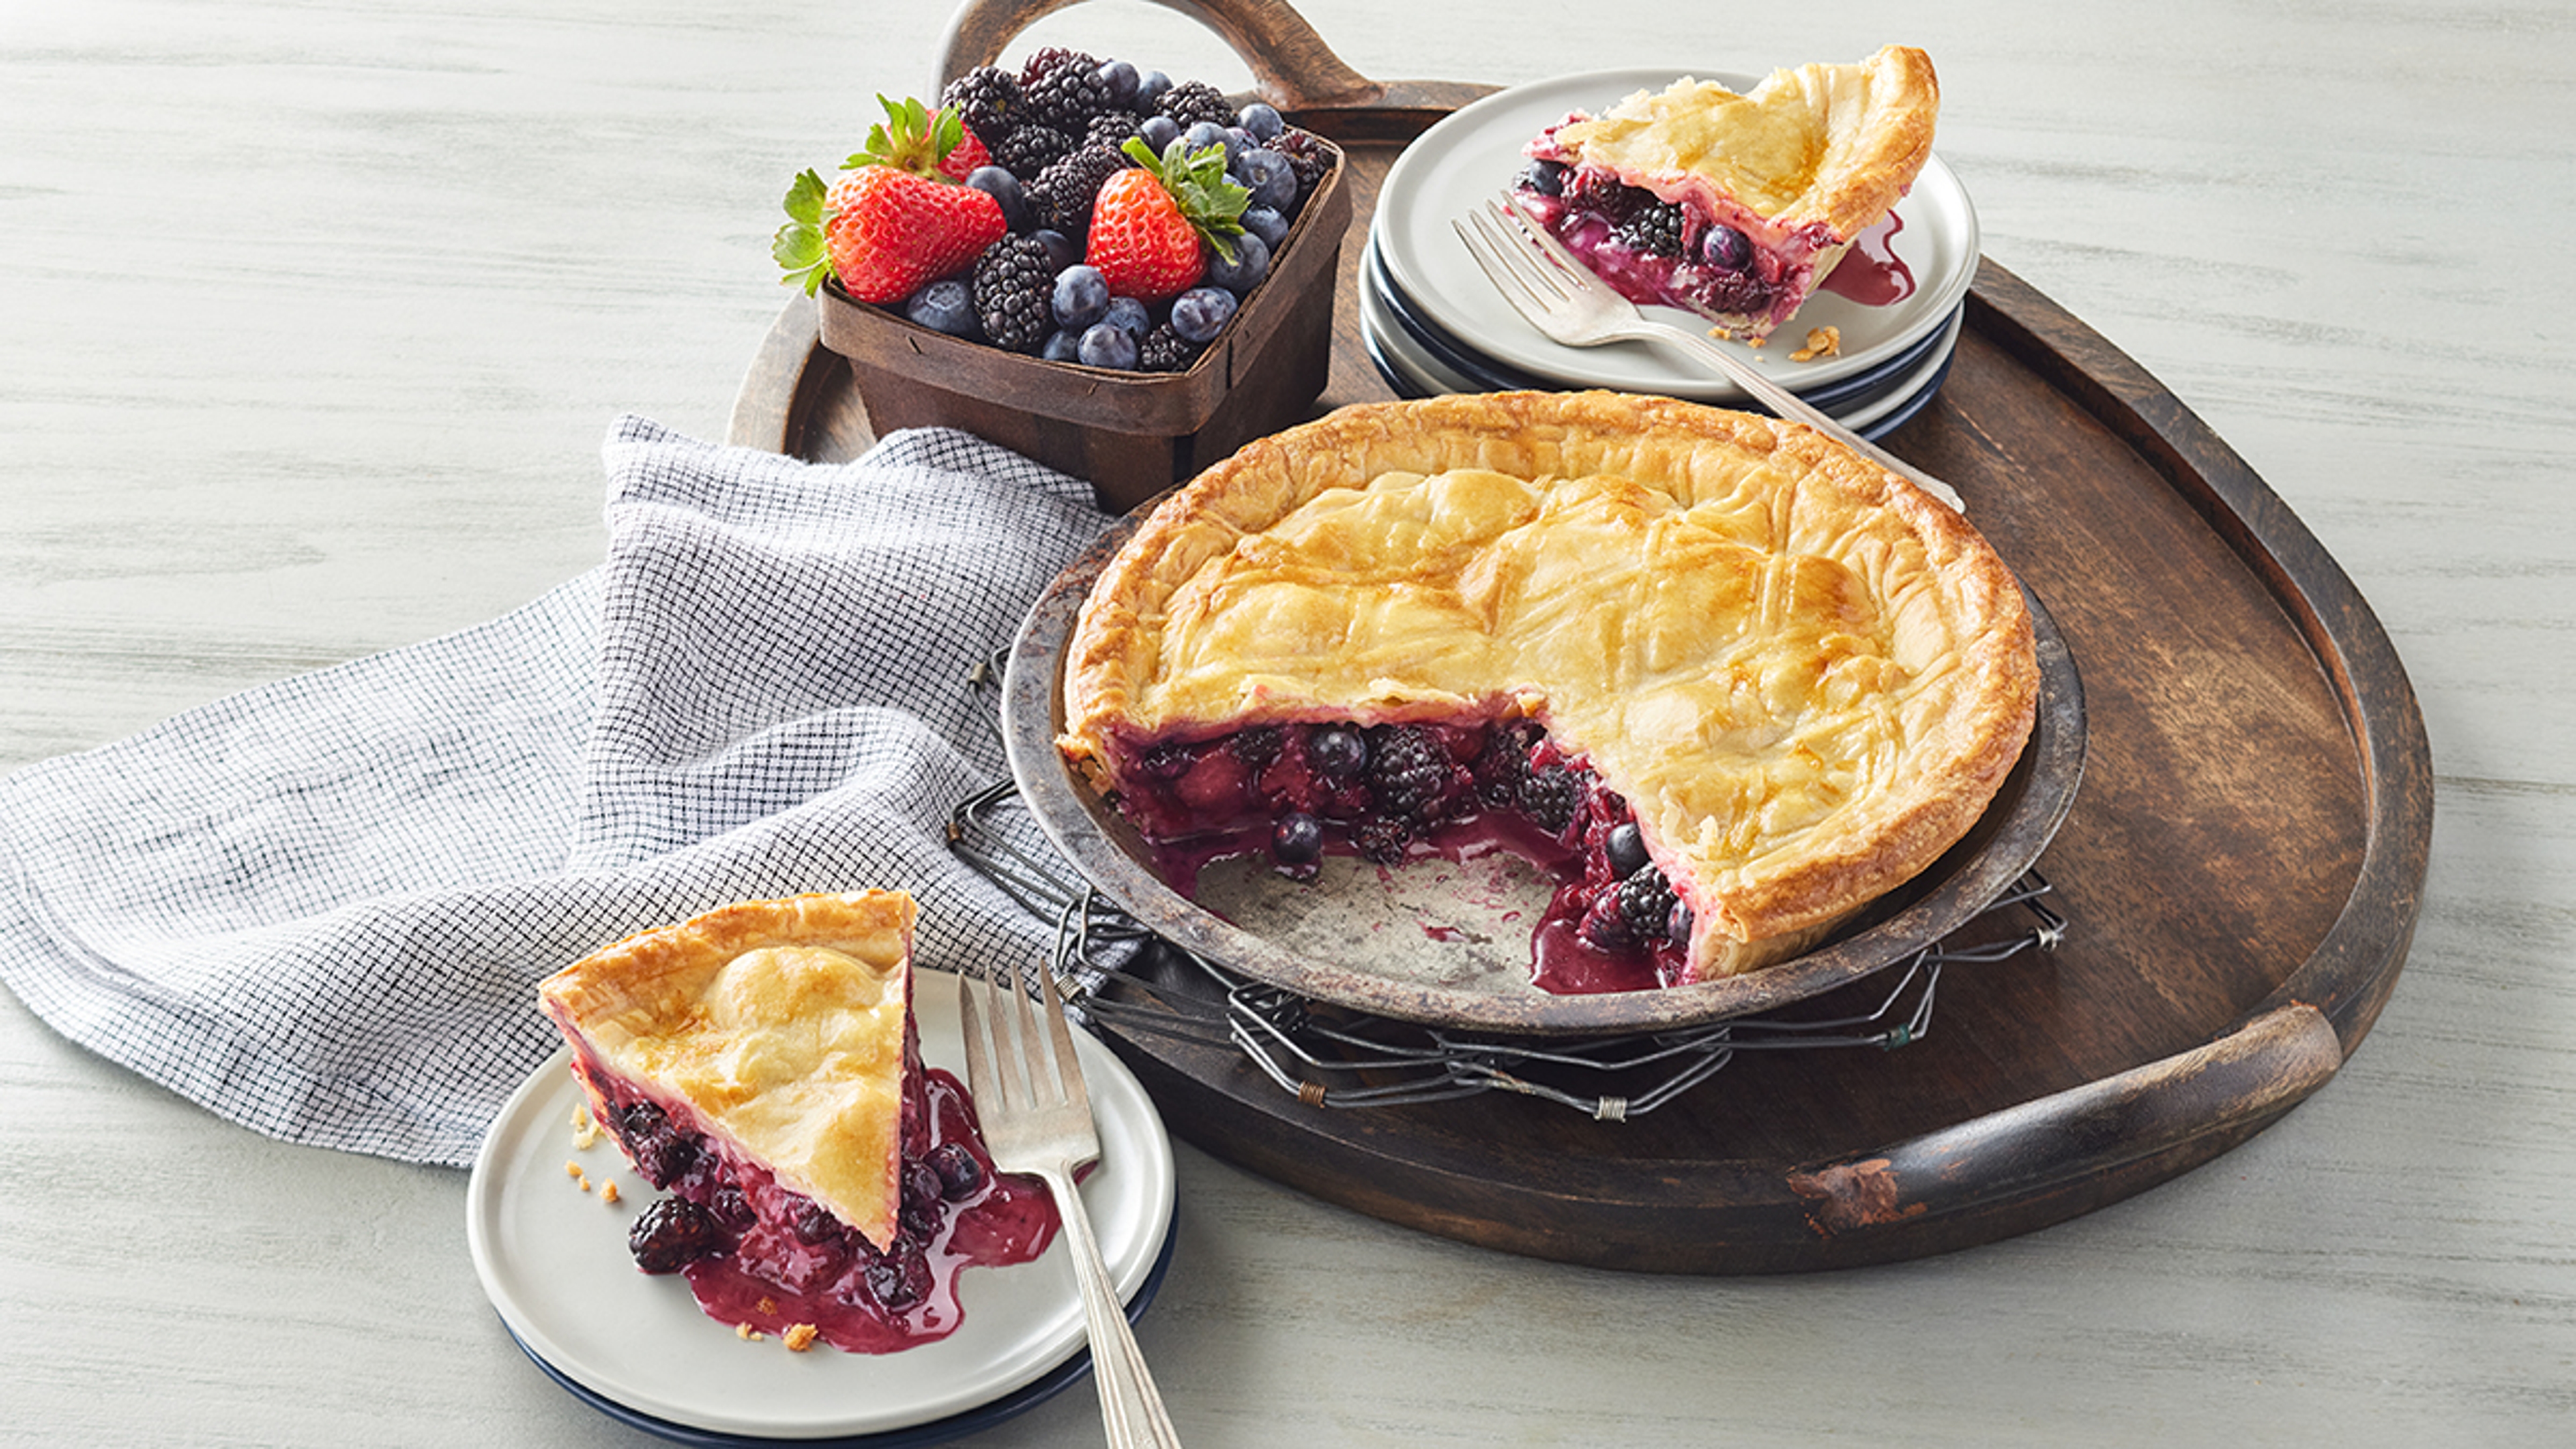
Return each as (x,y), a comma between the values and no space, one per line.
(1807,677)
(1831,146)
(782,1024)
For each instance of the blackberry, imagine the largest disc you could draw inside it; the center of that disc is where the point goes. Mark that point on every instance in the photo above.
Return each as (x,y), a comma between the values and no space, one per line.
(1408,773)
(1655,227)
(1064,191)
(1307,156)
(1503,763)
(1257,746)
(1110,129)
(1028,150)
(673,1233)
(1164,350)
(1012,285)
(1646,902)
(1381,840)
(989,100)
(1063,88)
(1190,101)
(1589,188)
(661,1151)
(1551,797)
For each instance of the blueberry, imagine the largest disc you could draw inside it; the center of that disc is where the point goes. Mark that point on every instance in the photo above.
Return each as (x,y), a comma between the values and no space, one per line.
(1337,753)
(1004,188)
(813,1224)
(1270,178)
(1061,250)
(1297,839)
(1081,295)
(1062,346)
(1149,89)
(1203,134)
(1626,847)
(1726,248)
(1129,316)
(897,1282)
(1119,79)
(1267,223)
(959,1173)
(1547,178)
(1200,313)
(1261,121)
(1677,926)
(1159,132)
(1251,263)
(945,306)
(1106,344)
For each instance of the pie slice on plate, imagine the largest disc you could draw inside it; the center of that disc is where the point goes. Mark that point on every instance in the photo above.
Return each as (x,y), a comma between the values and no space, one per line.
(760,1064)
(1736,206)
(1728,680)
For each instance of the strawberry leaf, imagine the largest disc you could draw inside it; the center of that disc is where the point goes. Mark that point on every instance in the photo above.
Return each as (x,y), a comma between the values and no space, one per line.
(911,138)
(798,247)
(1212,201)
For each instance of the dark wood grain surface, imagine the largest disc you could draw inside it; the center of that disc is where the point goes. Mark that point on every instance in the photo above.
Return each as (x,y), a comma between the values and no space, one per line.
(2242,866)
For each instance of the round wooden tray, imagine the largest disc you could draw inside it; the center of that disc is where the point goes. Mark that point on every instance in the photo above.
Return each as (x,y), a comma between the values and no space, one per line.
(2243,868)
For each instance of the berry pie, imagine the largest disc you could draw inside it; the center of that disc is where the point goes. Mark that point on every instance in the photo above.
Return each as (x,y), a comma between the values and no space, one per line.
(1735,206)
(1726,679)
(760,1063)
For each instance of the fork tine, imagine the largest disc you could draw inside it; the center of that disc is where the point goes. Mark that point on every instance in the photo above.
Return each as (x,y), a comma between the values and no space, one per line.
(1060,1044)
(1540,239)
(1505,244)
(982,1053)
(1508,266)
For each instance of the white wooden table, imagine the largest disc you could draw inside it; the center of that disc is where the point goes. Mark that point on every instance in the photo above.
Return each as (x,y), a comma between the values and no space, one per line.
(311,319)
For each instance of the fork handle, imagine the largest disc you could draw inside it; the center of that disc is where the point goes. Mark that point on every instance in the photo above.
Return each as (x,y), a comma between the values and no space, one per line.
(1131,1408)
(1789,405)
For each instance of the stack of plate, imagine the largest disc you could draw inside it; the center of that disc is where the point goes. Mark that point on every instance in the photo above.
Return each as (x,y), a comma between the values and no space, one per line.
(1434,324)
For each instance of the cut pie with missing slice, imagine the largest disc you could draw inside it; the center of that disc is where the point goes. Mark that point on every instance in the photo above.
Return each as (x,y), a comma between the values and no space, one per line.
(1726,678)
(761,1064)
(1736,206)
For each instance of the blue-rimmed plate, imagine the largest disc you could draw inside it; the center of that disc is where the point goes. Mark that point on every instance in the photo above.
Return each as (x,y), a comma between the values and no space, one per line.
(554,1262)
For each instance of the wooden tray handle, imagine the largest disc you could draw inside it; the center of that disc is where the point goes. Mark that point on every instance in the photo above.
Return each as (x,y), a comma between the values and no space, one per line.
(1292,68)
(2220,1092)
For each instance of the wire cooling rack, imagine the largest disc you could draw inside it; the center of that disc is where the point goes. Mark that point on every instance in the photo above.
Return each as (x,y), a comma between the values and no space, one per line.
(1117,972)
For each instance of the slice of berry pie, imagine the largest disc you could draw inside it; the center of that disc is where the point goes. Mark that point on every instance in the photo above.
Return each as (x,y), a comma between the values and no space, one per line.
(761,1064)
(1726,678)
(1735,206)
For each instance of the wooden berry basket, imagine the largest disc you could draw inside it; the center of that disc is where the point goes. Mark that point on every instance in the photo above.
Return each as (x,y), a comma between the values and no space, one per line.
(2243,868)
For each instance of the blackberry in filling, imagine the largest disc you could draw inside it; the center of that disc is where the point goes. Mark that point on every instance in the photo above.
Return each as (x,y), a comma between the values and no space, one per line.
(1391,793)
(1650,250)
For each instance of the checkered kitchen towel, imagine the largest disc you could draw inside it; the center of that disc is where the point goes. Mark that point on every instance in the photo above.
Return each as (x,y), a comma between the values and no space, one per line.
(321,908)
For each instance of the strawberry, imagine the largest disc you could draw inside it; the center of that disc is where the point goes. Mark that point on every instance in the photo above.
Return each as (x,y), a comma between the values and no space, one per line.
(968,155)
(897,220)
(1151,225)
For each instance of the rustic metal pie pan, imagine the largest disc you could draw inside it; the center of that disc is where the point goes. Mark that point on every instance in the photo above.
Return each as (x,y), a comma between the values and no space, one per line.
(1448,944)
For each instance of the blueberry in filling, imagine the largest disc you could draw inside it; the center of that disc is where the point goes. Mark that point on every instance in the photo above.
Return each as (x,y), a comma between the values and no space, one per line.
(1295,793)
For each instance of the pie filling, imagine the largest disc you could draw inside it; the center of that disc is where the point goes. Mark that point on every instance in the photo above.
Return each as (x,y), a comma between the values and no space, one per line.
(1392,792)
(758,1253)
(1674,253)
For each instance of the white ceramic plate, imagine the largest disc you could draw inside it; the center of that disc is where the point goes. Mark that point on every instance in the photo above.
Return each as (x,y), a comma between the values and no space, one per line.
(1471,156)
(554,1261)
(1421,373)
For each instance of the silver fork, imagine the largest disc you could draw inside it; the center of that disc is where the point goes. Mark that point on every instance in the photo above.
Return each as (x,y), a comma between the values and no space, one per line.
(1036,1116)
(1559,295)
